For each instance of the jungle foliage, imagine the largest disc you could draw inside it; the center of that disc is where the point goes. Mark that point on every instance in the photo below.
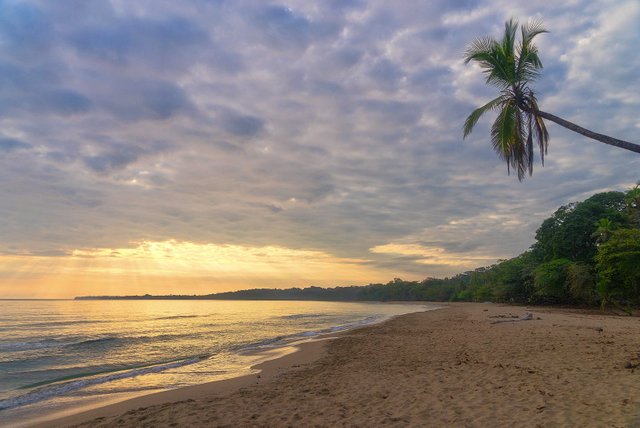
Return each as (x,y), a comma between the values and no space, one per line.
(586,253)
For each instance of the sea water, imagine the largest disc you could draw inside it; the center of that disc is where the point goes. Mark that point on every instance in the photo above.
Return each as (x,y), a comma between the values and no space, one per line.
(61,355)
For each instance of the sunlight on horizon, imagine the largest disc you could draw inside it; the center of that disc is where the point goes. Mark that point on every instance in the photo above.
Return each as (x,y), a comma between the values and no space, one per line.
(179,267)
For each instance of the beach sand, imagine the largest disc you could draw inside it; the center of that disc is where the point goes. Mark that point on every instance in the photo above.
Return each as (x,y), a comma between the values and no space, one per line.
(454,366)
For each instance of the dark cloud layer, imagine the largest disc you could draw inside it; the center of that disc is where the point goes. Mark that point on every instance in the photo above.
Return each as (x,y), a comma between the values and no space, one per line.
(11,144)
(326,125)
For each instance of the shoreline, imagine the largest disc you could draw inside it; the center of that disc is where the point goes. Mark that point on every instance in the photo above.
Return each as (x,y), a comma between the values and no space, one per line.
(289,358)
(270,363)
(472,364)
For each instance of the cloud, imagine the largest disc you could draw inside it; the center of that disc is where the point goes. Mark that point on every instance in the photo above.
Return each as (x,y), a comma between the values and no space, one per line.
(185,262)
(291,29)
(24,29)
(161,43)
(34,89)
(11,144)
(282,28)
(117,156)
(108,162)
(331,126)
(66,102)
(242,125)
(385,72)
(435,256)
(147,99)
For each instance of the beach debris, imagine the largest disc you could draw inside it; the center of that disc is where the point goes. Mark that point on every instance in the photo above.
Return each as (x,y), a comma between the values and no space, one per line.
(527,316)
(631,366)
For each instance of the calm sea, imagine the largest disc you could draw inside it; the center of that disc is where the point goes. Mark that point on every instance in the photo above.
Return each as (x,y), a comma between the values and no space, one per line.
(56,356)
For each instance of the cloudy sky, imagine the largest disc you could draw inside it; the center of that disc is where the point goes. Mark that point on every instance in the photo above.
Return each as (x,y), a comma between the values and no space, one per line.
(169,147)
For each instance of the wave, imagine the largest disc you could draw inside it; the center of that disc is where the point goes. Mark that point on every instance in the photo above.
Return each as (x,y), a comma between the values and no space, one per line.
(32,345)
(302,316)
(280,341)
(55,343)
(175,317)
(29,326)
(63,323)
(85,342)
(94,341)
(120,341)
(57,389)
(62,385)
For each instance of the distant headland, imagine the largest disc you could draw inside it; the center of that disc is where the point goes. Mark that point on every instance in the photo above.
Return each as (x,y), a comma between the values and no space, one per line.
(394,290)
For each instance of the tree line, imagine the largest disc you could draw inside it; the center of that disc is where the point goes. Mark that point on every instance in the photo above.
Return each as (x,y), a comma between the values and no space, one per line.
(586,253)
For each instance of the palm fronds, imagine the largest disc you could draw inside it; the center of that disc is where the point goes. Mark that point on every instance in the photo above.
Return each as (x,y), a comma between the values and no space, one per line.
(510,65)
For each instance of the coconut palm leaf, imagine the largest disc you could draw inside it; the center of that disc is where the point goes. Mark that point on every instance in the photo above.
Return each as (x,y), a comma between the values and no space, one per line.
(511,65)
(477,113)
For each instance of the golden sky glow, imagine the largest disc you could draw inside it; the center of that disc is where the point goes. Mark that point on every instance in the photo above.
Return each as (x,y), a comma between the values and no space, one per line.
(435,255)
(138,138)
(176,267)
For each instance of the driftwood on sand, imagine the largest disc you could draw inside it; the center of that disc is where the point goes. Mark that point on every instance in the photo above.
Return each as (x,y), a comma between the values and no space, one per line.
(527,316)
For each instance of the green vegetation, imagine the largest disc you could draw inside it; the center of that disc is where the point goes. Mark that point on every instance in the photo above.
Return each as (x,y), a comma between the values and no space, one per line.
(511,66)
(585,253)
(618,266)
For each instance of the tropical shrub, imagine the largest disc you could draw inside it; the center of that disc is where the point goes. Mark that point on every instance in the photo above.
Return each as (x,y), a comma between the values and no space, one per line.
(581,283)
(550,281)
(618,267)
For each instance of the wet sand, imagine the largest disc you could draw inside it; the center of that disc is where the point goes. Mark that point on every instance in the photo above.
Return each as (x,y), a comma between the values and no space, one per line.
(466,365)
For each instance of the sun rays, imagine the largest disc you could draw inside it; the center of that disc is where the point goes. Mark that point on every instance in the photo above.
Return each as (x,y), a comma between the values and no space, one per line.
(182,267)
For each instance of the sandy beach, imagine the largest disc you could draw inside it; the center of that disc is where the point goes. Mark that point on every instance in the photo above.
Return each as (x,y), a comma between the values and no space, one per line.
(466,365)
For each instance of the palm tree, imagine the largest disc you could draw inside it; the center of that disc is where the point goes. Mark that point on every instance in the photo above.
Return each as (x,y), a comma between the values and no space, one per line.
(604,229)
(519,125)
(633,204)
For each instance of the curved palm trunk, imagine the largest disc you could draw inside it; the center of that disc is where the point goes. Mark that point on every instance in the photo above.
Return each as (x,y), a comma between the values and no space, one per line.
(582,131)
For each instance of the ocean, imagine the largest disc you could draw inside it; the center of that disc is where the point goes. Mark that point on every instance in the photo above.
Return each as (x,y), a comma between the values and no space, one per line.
(61,355)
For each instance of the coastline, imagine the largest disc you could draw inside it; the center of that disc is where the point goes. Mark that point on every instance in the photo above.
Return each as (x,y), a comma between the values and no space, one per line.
(268,364)
(288,358)
(464,365)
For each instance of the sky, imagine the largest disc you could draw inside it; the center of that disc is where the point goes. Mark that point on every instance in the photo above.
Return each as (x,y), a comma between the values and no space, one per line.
(201,146)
